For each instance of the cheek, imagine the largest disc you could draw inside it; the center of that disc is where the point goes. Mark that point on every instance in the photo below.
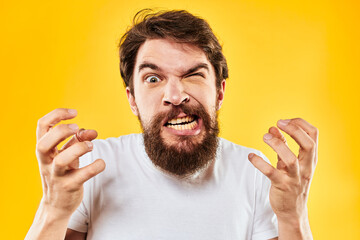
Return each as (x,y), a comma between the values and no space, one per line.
(148,103)
(206,97)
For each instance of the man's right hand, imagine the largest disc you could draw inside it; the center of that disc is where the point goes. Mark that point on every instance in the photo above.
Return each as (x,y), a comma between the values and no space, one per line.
(62,179)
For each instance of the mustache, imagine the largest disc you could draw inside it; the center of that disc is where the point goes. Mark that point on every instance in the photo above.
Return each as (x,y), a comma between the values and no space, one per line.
(192,155)
(198,111)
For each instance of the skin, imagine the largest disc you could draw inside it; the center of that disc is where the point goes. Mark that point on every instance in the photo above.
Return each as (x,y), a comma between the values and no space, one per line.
(172,84)
(290,180)
(61,177)
(63,180)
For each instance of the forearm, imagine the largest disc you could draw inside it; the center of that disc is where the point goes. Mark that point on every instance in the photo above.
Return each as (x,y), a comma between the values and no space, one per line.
(294,228)
(48,225)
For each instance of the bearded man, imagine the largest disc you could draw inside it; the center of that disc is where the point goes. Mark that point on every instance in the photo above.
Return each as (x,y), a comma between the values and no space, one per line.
(177,180)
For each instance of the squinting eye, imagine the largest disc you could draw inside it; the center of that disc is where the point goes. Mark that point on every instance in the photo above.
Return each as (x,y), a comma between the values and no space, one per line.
(196,74)
(152,79)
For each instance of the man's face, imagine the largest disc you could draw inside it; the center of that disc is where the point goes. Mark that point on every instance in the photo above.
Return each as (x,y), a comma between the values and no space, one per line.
(175,95)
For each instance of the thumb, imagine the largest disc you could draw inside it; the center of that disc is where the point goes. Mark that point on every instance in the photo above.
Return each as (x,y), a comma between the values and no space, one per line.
(89,171)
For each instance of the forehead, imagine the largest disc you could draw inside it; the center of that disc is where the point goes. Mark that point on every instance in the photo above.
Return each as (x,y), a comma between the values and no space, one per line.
(170,55)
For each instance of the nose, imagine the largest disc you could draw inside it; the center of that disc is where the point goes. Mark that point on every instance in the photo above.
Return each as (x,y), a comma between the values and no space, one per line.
(174,93)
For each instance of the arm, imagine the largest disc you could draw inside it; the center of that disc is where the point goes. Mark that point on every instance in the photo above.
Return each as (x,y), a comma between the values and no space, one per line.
(290,180)
(62,179)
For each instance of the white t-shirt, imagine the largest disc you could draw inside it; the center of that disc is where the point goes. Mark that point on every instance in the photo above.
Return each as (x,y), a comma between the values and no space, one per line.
(133,199)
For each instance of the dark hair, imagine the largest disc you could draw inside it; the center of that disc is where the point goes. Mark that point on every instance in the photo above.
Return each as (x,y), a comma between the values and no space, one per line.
(177,25)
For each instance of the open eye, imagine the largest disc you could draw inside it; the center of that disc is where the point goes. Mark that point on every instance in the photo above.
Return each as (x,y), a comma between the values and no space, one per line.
(152,79)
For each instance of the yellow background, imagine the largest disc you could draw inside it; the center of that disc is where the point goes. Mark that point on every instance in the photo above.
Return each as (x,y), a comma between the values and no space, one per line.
(286,59)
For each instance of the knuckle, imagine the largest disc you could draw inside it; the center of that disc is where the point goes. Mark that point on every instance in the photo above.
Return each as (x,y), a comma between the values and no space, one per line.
(63,129)
(41,123)
(59,163)
(91,172)
(277,142)
(306,177)
(315,131)
(41,148)
(297,184)
(293,127)
(80,147)
(292,162)
(85,146)
(297,120)
(269,172)
(309,145)
(59,111)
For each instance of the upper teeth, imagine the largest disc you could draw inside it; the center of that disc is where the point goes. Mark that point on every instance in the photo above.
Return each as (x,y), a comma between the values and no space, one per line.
(181,120)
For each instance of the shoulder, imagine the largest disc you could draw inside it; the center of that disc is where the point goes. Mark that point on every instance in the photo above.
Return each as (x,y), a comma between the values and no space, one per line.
(113,148)
(117,142)
(235,167)
(234,157)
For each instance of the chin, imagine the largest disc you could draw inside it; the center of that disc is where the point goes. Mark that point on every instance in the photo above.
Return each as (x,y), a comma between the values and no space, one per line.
(183,143)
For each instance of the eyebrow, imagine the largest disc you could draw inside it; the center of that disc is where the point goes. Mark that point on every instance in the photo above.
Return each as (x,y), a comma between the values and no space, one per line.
(149,65)
(157,68)
(197,67)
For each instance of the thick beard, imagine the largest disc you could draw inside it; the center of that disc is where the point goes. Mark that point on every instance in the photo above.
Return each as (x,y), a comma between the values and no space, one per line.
(189,155)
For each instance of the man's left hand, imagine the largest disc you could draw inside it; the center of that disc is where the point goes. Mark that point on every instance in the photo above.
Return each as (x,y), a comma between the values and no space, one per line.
(290,180)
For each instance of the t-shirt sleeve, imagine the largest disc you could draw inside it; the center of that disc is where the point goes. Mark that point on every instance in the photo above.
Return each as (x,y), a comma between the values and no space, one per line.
(265,221)
(80,218)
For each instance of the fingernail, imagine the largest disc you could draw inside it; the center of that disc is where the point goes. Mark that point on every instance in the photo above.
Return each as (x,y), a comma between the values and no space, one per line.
(89,144)
(284,122)
(251,155)
(268,136)
(73,126)
(72,111)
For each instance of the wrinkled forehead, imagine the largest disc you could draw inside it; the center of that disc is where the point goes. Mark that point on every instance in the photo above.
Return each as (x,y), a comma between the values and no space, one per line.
(171,56)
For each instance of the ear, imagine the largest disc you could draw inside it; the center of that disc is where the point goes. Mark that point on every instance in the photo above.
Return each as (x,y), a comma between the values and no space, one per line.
(221,93)
(132,102)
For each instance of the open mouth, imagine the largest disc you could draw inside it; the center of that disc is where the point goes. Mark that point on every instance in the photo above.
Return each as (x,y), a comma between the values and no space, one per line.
(183,123)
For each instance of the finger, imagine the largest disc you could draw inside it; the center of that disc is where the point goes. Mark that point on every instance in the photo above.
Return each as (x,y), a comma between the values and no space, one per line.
(63,160)
(83,174)
(52,118)
(281,165)
(276,132)
(312,131)
(52,138)
(269,171)
(298,134)
(81,136)
(304,134)
(286,155)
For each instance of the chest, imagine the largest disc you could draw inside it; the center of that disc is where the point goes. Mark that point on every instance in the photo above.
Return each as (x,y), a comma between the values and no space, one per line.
(153,209)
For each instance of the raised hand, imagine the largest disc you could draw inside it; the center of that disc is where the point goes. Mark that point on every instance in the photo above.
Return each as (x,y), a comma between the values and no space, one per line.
(61,177)
(290,180)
